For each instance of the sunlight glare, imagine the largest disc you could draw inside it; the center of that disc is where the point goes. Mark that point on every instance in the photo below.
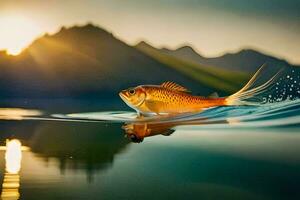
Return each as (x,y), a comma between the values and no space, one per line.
(11,181)
(17,33)
(13,156)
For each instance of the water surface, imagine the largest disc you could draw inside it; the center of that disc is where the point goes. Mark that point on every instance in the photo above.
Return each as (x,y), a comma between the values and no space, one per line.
(98,149)
(241,152)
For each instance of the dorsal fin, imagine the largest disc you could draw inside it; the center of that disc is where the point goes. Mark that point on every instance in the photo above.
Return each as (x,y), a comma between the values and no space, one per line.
(174,86)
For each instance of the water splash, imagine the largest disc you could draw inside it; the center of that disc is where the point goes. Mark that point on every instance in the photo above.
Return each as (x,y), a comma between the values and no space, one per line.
(287,87)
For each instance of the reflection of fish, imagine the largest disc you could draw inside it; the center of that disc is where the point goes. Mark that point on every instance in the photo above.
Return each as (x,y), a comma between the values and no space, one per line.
(170,98)
(143,127)
(138,131)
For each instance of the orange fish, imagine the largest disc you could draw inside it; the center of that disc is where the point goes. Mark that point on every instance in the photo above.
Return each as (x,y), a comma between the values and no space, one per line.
(171,98)
(167,98)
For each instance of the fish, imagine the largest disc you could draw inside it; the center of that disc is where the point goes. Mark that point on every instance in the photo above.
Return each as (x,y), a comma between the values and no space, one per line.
(172,98)
(167,98)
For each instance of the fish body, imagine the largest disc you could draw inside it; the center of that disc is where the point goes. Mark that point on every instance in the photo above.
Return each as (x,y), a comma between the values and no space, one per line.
(168,98)
(171,98)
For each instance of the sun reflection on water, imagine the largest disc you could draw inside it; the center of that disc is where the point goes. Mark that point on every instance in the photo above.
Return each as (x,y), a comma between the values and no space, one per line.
(13,157)
(17,113)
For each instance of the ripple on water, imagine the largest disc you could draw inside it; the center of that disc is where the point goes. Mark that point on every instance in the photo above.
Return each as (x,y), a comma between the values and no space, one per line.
(270,114)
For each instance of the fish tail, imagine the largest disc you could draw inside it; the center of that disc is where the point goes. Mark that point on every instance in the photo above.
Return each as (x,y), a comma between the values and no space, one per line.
(242,96)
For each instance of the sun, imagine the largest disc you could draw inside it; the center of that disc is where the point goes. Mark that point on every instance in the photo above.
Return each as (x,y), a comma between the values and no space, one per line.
(17,32)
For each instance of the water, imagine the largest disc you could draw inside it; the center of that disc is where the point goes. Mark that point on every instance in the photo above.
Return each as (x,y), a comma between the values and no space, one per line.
(81,151)
(244,152)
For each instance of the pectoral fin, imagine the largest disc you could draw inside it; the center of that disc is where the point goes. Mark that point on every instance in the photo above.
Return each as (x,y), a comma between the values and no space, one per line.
(168,132)
(155,106)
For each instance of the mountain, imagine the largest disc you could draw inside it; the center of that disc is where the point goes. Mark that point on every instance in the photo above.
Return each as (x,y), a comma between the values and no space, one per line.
(246,60)
(89,62)
(185,52)
(83,61)
(217,78)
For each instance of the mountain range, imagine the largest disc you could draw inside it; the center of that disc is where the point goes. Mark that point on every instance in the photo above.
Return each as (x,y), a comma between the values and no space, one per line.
(87,62)
(246,60)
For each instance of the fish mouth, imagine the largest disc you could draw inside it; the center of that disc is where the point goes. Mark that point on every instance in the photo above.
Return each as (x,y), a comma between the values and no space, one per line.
(123,96)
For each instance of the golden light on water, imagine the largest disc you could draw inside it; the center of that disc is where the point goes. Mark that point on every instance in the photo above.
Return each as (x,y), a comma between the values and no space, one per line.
(17,113)
(17,32)
(13,158)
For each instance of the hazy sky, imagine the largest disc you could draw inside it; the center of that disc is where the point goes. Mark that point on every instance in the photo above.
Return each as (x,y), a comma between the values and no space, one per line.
(212,27)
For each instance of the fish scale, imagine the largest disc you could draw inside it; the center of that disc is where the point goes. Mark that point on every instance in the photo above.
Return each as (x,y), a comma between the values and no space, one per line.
(178,101)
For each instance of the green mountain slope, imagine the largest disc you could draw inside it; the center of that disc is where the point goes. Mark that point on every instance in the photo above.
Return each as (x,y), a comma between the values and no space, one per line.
(217,78)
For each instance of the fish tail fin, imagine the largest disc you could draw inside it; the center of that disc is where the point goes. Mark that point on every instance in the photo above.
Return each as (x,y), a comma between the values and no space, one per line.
(249,91)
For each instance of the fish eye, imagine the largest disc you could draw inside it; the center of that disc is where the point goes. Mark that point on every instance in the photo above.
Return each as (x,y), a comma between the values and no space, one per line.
(131,91)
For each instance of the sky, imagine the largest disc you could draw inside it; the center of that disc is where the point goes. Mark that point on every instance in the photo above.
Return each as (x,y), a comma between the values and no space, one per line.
(212,27)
